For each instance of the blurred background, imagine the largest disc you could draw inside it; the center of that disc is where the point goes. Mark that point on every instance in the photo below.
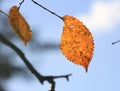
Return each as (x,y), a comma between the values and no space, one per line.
(102,17)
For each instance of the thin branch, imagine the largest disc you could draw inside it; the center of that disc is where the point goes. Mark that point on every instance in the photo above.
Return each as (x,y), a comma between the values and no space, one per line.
(41,78)
(22,56)
(63,76)
(116,42)
(20,4)
(3,13)
(47,9)
(50,79)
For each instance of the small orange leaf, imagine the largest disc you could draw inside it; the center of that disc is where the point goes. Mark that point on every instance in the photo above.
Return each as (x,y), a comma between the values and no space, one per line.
(19,25)
(76,42)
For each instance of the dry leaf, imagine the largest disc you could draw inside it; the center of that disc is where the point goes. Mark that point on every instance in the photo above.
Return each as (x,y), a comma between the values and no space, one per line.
(76,42)
(19,25)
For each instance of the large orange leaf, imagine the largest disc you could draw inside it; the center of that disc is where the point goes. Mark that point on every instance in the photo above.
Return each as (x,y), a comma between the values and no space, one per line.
(19,25)
(76,42)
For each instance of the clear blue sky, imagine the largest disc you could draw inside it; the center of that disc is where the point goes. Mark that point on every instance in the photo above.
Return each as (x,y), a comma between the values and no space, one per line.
(101,17)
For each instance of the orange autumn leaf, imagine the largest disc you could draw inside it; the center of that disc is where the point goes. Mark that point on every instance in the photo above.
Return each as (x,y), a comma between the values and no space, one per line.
(76,42)
(19,25)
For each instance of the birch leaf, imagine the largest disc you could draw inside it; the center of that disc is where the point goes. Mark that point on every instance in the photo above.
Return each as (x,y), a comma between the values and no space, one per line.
(19,25)
(76,42)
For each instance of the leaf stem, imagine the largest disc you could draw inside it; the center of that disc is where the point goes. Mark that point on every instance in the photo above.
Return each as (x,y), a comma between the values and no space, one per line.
(47,9)
(20,4)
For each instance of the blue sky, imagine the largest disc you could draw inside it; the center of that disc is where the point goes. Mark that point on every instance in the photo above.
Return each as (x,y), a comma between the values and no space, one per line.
(102,17)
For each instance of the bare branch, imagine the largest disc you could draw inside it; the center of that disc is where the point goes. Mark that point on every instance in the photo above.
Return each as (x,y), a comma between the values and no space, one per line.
(47,9)
(41,78)
(116,42)
(3,13)
(50,79)
(22,56)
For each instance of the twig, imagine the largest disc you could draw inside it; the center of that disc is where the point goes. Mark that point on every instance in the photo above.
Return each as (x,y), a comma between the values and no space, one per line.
(116,42)
(41,78)
(20,4)
(47,9)
(3,13)
(50,79)
(21,54)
